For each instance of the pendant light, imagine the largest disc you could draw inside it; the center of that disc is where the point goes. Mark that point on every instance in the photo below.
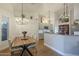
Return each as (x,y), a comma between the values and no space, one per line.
(66,17)
(22,15)
(22,20)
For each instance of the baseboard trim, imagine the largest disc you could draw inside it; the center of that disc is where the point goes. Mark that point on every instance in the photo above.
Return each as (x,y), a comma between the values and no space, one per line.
(61,53)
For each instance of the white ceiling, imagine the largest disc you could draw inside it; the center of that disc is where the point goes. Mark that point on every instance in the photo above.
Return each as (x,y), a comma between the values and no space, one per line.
(27,8)
(31,8)
(35,8)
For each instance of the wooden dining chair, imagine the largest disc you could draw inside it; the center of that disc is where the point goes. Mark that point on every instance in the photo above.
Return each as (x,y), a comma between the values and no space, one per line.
(14,50)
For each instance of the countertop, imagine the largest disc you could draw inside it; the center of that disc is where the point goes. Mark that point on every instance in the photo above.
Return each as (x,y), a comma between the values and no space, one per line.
(58,34)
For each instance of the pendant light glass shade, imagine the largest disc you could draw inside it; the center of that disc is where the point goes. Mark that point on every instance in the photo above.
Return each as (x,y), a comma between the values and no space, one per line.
(65,17)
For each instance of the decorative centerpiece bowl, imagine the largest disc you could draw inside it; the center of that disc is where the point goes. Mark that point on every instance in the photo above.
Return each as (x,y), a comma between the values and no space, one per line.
(24,35)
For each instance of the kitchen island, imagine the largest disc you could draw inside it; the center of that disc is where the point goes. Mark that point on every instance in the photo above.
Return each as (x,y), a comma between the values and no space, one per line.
(66,45)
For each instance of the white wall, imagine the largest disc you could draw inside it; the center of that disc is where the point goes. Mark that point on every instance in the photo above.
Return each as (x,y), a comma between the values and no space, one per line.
(76,11)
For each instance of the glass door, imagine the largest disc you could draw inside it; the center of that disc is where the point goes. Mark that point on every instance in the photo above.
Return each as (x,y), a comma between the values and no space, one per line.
(4,28)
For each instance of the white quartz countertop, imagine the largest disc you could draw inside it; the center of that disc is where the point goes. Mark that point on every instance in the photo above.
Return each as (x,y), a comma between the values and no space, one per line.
(61,34)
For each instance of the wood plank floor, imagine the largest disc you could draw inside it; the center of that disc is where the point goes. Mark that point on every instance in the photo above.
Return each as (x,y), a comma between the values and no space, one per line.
(41,51)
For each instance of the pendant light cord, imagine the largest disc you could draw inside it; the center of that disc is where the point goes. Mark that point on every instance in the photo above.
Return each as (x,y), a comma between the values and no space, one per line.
(22,12)
(64,9)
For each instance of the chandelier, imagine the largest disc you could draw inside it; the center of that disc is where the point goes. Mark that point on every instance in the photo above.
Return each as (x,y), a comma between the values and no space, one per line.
(22,19)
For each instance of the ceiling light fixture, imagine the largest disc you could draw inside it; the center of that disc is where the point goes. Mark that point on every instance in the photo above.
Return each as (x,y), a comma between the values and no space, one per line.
(65,16)
(22,19)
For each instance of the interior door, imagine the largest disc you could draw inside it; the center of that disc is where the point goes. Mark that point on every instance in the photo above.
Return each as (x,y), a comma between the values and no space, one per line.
(4,28)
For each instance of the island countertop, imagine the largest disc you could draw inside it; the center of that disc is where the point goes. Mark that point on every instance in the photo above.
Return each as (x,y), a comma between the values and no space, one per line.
(59,34)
